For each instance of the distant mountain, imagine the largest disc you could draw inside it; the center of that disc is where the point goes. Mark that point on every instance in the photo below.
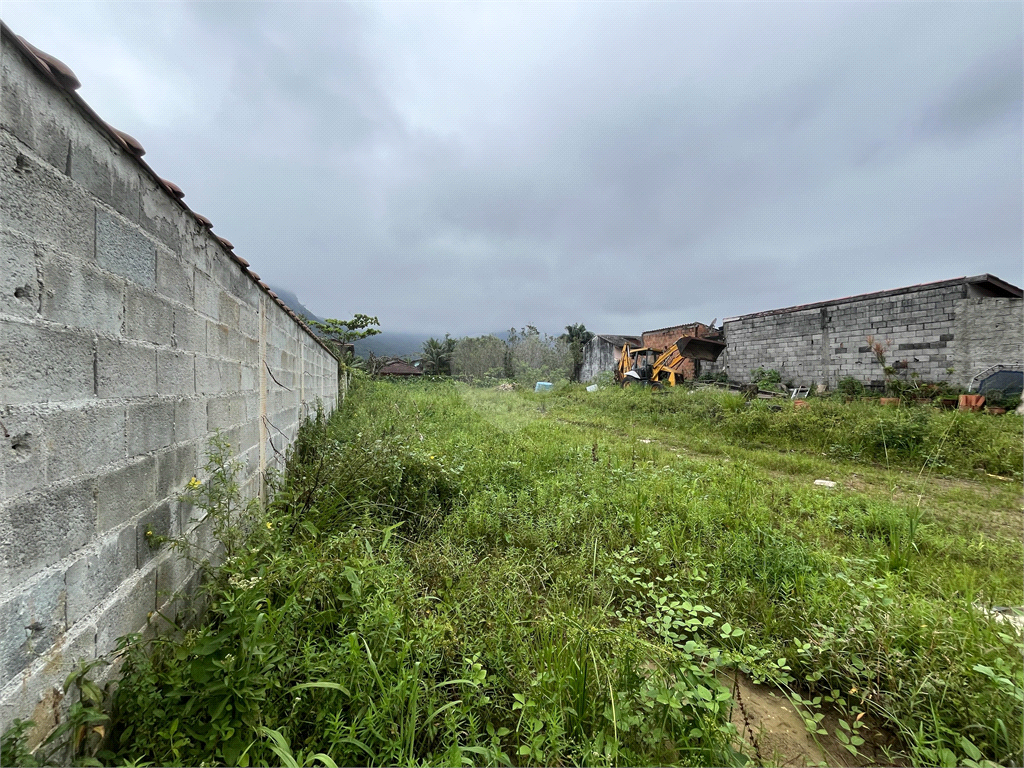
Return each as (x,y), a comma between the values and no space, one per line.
(391,344)
(292,301)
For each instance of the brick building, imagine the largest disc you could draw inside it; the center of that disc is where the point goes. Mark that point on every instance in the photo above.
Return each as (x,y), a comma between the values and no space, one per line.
(663,338)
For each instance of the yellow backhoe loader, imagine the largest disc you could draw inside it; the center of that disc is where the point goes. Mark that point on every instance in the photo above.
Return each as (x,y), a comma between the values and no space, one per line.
(647,367)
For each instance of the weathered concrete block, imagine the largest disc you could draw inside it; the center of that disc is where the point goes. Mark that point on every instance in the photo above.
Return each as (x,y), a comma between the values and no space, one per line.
(148,317)
(176,467)
(208,376)
(227,310)
(174,575)
(162,216)
(124,369)
(39,696)
(81,440)
(40,364)
(206,295)
(126,492)
(42,204)
(123,249)
(130,612)
(249,377)
(19,280)
(173,277)
(23,458)
(32,113)
(106,171)
(45,525)
(189,419)
(155,523)
(249,322)
(224,412)
(99,572)
(218,339)
(175,372)
(31,620)
(150,426)
(189,330)
(78,294)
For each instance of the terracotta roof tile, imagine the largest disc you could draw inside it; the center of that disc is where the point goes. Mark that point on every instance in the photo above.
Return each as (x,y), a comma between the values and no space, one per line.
(59,69)
(272,295)
(226,243)
(203,220)
(130,141)
(240,260)
(255,276)
(173,188)
(263,285)
(35,54)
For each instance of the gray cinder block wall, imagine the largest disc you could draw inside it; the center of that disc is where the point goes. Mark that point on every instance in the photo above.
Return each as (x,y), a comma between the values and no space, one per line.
(128,333)
(967,324)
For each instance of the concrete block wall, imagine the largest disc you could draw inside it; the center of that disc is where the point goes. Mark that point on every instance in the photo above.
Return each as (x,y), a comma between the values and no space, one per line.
(931,329)
(128,334)
(599,355)
(989,331)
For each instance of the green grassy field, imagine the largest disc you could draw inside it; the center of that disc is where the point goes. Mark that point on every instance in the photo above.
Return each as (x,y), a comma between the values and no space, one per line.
(464,576)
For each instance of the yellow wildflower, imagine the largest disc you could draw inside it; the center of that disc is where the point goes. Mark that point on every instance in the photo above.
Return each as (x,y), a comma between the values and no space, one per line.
(270,525)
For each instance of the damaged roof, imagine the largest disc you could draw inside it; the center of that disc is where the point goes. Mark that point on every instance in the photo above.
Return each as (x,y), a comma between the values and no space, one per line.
(62,76)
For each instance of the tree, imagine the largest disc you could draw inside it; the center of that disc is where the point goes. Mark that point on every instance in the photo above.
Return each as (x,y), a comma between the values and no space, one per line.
(577,336)
(533,356)
(479,358)
(437,354)
(340,332)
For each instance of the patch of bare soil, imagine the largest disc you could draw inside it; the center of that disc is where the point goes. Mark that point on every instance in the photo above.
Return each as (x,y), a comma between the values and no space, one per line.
(774,733)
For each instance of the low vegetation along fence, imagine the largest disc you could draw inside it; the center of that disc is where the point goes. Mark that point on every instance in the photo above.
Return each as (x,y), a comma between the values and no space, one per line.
(459,575)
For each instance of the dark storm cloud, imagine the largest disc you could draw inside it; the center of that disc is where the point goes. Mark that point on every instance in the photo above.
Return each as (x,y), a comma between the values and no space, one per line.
(468,167)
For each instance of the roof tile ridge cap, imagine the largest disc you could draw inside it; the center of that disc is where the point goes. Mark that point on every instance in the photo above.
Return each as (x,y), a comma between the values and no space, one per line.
(61,71)
(34,52)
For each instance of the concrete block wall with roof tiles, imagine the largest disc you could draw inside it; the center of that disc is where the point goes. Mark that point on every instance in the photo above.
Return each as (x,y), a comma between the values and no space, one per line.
(128,333)
(931,328)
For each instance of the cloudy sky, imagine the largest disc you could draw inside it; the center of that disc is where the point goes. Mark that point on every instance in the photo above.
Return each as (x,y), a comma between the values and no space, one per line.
(467,167)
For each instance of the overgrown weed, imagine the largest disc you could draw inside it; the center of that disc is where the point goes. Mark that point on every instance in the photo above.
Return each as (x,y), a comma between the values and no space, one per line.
(448,575)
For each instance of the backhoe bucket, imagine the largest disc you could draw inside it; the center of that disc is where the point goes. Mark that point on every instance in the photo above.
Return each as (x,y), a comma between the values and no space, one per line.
(699,349)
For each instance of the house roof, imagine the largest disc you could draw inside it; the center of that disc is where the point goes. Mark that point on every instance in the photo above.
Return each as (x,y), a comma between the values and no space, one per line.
(61,75)
(618,341)
(676,327)
(399,368)
(991,283)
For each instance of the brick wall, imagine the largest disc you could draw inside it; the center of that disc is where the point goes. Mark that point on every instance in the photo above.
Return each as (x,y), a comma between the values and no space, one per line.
(663,338)
(931,329)
(128,333)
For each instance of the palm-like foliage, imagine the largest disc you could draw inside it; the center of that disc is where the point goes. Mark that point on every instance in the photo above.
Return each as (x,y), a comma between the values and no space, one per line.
(437,355)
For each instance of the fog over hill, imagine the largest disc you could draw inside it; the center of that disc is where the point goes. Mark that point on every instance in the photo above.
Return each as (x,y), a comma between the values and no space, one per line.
(384,344)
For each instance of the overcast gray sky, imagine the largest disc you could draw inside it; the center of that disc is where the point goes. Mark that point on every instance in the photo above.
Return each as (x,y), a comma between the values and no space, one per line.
(467,167)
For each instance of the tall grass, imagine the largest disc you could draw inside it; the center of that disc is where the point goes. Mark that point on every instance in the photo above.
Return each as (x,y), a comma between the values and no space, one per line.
(451,575)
